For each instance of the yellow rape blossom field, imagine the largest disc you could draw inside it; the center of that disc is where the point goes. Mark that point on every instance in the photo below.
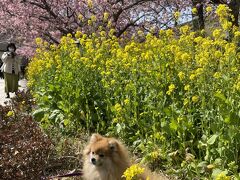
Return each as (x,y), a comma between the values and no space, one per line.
(175,99)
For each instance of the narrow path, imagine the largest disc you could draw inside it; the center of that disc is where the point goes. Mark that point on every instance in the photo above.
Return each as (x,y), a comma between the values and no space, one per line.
(22,85)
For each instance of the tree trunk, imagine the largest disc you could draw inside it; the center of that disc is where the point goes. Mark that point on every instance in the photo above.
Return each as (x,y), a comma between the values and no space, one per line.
(234,5)
(198,19)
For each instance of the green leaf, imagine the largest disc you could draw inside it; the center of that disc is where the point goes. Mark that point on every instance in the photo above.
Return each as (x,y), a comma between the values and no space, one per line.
(232,119)
(51,87)
(227,119)
(212,139)
(54,114)
(59,117)
(39,113)
(118,128)
(221,150)
(222,97)
(218,161)
(174,125)
(66,122)
(167,111)
(202,164)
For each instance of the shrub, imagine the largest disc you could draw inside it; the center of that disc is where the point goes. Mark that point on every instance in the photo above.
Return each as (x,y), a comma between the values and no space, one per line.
(24,148)
(174,98)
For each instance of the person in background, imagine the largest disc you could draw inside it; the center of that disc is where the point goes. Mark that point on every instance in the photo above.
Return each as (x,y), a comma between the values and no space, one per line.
(11,69)
(1,67)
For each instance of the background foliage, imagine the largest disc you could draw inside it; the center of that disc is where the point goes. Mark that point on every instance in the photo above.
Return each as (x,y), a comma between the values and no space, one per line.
(24,20)
(172,97)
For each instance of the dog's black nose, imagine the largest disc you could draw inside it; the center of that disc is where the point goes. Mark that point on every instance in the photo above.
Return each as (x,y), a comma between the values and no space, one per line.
(93,160)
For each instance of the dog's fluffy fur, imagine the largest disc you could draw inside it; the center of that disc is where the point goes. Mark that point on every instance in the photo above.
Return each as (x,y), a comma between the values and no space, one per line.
(106,159)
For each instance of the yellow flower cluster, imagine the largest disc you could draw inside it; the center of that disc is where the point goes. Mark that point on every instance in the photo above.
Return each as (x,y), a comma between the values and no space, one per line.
(170,89)
(209,9)
(194,10)
(90,3)
(105,16)
(222,176)
(154,155)
(132,172)
(177,15)
(223,12)
(10,113)
(159,85)
(109,57)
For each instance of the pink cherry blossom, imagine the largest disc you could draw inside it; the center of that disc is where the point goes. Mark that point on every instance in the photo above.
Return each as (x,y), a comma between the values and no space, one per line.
(21,21)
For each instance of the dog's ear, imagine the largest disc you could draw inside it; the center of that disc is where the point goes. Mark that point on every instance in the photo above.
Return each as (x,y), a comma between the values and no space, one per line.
(95,137)
(113,145)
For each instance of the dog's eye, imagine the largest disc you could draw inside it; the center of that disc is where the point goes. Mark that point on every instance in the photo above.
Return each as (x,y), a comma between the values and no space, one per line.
(92,152)
(101,155)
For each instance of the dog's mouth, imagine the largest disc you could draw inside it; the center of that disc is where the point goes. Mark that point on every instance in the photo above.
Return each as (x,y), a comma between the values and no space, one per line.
(97,164)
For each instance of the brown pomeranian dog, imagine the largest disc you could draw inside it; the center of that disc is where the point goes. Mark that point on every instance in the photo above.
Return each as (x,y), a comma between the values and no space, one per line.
(104,159)
(107,159)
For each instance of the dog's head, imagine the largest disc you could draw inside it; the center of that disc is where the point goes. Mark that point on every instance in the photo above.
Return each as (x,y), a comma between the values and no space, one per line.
(101,150)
